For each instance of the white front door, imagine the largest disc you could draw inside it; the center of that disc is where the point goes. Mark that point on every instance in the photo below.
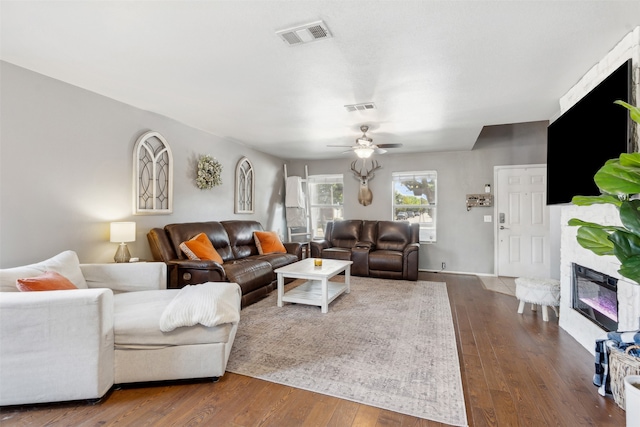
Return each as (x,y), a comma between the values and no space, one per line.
(522,221)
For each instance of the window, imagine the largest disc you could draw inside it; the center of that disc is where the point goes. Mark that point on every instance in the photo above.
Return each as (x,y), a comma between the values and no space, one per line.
(325,199)
(415,200)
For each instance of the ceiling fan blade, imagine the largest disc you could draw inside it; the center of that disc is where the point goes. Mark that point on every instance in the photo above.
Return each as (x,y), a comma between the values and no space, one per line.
(347,146)
(389,145)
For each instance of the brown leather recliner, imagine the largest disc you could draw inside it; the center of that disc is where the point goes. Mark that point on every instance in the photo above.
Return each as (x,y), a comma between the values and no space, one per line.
(234,241)
(385,249)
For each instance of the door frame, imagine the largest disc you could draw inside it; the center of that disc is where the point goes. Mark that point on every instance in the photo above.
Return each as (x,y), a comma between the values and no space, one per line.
(496,224)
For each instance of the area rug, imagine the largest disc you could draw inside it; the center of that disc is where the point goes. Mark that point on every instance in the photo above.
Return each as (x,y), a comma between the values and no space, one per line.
(389,344)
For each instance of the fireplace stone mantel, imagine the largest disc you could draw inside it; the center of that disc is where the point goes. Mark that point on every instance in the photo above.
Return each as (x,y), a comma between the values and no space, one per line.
(581,328)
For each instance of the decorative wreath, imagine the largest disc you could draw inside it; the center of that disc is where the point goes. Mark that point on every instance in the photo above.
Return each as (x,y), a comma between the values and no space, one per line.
(209,171)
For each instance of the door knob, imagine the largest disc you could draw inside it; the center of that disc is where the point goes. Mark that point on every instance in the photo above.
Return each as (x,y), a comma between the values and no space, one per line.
(502,227)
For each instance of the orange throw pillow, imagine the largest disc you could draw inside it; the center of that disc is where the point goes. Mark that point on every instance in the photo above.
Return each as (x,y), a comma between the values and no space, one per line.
(49,281)
(268,242)
(200,248)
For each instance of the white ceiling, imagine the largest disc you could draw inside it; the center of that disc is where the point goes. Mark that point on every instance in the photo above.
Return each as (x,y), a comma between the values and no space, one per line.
(438,71)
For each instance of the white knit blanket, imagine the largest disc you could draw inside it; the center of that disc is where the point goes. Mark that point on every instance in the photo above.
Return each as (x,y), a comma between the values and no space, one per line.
(210,304)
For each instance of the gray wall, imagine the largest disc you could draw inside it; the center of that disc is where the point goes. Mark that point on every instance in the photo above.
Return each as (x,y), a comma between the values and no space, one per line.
(66,172)
(465,241)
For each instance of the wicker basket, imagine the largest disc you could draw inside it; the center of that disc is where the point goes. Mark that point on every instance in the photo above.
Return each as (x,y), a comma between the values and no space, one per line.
(622,364)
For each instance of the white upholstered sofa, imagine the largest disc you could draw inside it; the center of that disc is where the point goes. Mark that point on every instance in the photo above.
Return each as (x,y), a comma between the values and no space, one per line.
(75,344)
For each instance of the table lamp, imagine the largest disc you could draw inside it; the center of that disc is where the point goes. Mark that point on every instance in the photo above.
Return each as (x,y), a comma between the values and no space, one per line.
(122,232)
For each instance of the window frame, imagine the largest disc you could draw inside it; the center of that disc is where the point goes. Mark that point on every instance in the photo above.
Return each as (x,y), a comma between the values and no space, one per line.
(428,230)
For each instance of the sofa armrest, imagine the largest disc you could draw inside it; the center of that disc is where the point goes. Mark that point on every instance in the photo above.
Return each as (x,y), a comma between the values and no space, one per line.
(411,247)
(184,272)
(160,245)
(410,266)
(126,277)
(56,345)
(294,248)
(317,246)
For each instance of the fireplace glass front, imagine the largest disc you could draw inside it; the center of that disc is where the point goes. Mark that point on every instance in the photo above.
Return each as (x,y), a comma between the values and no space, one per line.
(595,296)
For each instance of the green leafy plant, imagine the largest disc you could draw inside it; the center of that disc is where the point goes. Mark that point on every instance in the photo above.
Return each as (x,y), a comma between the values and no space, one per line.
(619,182)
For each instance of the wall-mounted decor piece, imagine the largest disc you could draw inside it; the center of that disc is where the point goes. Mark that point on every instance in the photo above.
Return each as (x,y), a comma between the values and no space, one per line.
(209,173)
(152,175)
(365,196)
(245,187)
(479,200)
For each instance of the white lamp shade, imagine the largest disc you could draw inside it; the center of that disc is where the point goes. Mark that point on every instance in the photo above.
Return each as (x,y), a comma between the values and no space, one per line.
(123,232)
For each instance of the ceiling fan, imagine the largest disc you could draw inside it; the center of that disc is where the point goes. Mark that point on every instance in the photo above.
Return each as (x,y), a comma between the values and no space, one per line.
(365,147)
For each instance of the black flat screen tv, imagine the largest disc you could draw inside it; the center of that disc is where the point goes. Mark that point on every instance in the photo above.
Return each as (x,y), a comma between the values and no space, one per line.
(582,139)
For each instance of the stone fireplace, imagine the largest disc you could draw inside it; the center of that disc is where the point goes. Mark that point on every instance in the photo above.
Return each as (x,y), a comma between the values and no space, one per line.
(573,321)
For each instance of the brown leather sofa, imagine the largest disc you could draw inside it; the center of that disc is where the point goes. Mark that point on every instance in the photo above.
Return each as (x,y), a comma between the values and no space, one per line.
(234,241)
(385,249)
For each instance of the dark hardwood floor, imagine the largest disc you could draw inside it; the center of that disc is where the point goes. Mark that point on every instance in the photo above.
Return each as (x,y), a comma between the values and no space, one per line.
(516,370)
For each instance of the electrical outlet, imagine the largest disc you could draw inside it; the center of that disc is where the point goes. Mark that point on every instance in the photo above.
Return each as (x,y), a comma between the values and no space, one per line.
(444,265)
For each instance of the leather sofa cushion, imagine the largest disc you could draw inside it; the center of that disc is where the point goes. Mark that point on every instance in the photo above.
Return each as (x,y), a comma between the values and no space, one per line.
(250,273)
(393,235)
(346,233)
(385,260)
(137,322)
(241,237)
(369,231)
(337,253)
(278,260)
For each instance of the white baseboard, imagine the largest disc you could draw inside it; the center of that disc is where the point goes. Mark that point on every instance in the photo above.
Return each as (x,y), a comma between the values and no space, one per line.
(468,273)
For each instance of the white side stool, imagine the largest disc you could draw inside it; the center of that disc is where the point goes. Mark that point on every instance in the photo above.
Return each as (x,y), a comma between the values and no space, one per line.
(537,291)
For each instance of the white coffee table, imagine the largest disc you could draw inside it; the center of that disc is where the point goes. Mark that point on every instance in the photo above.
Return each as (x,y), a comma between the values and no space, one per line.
(317,290)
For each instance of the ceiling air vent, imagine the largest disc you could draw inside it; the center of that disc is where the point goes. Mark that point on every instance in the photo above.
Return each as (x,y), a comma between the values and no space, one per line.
(305,33)
(361,107)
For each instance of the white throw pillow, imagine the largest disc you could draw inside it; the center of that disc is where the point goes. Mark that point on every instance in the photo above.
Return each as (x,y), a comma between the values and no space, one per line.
(66,263)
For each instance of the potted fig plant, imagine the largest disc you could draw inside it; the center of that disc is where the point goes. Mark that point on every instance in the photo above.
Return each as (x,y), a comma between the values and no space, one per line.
(619,182)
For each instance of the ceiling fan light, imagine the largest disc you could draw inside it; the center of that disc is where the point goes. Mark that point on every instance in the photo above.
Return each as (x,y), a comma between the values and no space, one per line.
(363,152)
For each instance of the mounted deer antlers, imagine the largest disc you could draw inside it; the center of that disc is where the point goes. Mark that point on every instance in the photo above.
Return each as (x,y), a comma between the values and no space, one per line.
(365,196)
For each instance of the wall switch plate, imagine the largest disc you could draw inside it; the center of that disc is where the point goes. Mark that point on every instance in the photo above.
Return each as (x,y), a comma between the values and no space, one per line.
(487,218)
